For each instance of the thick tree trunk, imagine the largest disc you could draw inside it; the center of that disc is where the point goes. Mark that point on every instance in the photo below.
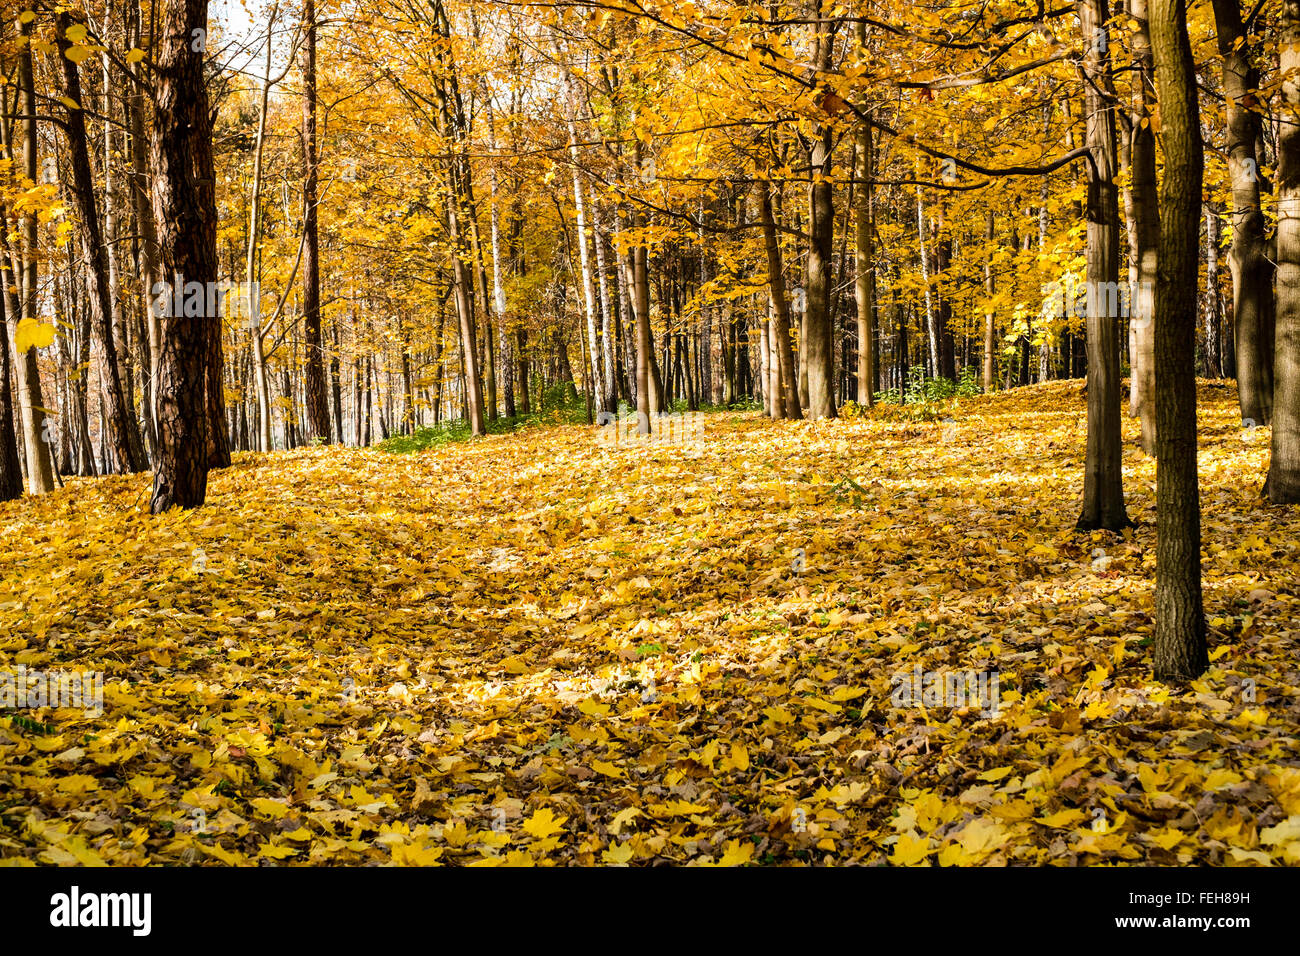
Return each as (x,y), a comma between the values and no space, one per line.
(185,211)
(1180,651)
(1283,485)
(1103,488)
(1249,259)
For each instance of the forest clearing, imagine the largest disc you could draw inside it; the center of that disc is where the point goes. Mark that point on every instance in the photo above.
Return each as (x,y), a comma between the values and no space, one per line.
(538,648)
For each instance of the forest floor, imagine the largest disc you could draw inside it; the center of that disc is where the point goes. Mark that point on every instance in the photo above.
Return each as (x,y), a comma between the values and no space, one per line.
(537,648)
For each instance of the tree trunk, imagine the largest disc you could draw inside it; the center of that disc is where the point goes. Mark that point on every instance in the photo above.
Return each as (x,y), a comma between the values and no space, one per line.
(11,469)
(40,469)
(607,343)
(990,327)
(1213,303)
(185,211)
(1143,232)
(1103,488)
(318,416)
(1180,651)
(864,281)
(1283,484)
(782,346)
(134,106)
(817,341)
(1249,258)
(128,454)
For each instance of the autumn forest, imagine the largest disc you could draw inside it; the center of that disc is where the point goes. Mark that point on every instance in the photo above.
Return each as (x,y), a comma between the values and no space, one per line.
(649,432)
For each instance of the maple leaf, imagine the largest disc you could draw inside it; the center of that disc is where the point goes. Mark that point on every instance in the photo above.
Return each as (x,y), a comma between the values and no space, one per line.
(543,823)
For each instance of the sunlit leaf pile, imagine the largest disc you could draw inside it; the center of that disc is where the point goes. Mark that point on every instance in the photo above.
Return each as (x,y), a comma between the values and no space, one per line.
(539,649)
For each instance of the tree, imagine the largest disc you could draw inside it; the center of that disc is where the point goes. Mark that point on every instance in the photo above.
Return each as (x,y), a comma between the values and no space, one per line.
(818,333)
(1103,488)
(1283,484)
(318,416)
(185,213)
(782,348)
(1249,259)
(864,285)
(26,263)
(11,475)
(128,449)
(1180,651)
(1143,229)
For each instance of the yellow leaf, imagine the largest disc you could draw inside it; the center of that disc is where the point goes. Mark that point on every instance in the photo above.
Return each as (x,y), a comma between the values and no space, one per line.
(617,853)
(739,756)
(271,808)
(736,853)
(910,850)
(230,859)
(1062,819)
(274,851)
(622,819)
(404,855)
(33,334)
(544,823)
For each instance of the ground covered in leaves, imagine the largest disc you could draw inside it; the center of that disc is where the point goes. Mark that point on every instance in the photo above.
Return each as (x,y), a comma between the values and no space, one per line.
(537,648)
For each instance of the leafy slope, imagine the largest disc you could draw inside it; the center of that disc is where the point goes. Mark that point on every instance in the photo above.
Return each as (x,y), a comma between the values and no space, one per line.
(535,649)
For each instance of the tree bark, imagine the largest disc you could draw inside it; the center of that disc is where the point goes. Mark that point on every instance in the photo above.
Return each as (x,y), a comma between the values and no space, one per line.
(817,341)
(782,346)
(128,454)
(1103,488)
(1249,258)
(1283,484)
(318,416)
(1143,232)
(990,317)
(1213,302)
(40,467)
(185,211)
(11,469)
(1180,651)
(864,281)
